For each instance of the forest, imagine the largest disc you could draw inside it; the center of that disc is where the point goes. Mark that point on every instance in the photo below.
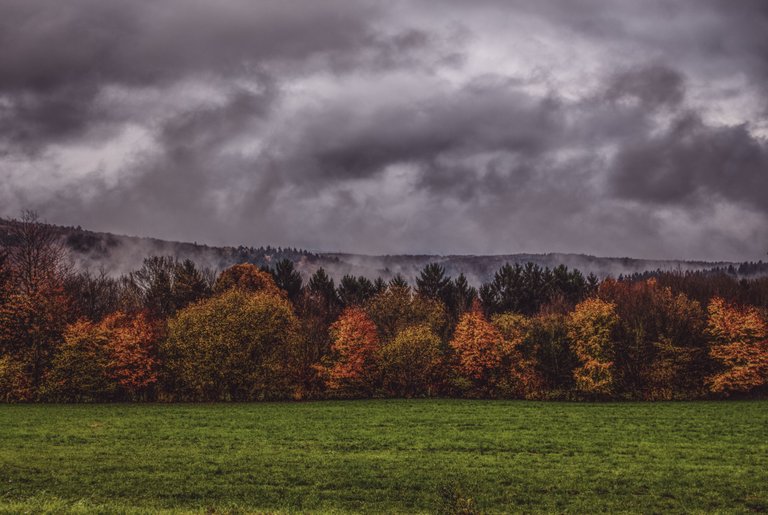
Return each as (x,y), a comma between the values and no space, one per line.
(172,331)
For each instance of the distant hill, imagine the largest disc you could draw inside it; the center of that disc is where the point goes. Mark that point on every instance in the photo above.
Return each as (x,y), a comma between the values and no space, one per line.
(119,254)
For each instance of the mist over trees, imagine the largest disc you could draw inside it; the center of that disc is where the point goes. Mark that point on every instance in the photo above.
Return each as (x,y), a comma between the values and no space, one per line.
(173,331)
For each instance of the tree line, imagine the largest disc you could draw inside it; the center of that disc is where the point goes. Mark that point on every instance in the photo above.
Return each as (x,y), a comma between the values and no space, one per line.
(171,331)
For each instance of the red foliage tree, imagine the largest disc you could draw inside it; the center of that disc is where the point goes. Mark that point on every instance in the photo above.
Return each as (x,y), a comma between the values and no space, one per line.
(355,347)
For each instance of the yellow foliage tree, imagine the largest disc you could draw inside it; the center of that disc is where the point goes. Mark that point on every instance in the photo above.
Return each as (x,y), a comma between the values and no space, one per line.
(236,346)
(411,362)
(590,329)
(80,370)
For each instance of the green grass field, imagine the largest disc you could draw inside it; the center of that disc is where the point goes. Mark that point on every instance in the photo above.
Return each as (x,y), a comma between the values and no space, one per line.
(385,456)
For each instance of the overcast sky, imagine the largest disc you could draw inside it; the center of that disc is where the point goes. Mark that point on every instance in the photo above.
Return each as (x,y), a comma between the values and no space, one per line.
(608,127)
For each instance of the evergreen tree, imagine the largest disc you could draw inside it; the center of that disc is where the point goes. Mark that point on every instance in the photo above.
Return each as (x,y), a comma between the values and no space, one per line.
(288,279)
(322,287)
(354,291)
(464,295)
(398,282)
(433,283)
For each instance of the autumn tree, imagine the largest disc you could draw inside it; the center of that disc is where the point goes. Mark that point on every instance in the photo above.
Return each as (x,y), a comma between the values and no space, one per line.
(15,384)
(36,309)
(517,375)
(246,277)
(660,350)
(591,328)
(80,370)
(411,364)
(477,350)
(739,345)
(131,345)
(239,345)
(352,367)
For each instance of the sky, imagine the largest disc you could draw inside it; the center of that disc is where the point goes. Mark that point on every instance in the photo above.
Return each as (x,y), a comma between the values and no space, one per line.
(606,127)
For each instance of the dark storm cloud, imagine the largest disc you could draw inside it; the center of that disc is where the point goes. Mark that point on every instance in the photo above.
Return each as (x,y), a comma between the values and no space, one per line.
(607,127)
(653,86)
(484,116)
(693,163)
(56,56)
(48,44)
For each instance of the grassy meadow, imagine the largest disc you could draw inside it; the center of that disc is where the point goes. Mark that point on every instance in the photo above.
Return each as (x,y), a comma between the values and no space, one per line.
(385,456)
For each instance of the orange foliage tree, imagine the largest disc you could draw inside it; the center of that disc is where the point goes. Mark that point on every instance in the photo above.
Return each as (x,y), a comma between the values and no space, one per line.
(247,277)
(133,363)
(477,347)
(104,361)
(590,327)
(355,345)
(739,344)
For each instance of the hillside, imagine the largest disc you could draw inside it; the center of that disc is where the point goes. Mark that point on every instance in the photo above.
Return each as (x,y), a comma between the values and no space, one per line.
(118,254)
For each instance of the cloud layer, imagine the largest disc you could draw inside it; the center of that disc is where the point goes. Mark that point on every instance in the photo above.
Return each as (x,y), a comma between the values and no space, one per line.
(596,126)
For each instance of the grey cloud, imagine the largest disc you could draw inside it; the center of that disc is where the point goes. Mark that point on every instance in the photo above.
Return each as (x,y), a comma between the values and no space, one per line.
(396,127)
(480,117)
(653,86)
(47,44)
(694,163)
(56,57)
